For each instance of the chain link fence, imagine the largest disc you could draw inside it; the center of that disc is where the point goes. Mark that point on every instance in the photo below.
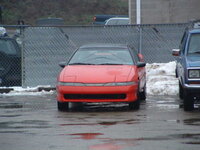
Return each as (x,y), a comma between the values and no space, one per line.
(44,47)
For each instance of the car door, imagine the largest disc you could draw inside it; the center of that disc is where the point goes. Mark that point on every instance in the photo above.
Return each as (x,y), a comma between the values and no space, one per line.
(181,57)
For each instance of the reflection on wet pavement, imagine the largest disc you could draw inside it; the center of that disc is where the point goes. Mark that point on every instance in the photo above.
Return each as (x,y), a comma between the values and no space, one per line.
(192,121)
(86,136)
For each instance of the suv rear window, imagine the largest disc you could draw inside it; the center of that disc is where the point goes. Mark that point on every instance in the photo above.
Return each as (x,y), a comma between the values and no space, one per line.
(7,47)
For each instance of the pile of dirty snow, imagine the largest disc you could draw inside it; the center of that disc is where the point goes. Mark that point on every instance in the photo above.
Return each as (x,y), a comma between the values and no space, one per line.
(161,79)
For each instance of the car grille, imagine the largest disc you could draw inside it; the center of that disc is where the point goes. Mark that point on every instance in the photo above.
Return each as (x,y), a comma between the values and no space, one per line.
(94,96)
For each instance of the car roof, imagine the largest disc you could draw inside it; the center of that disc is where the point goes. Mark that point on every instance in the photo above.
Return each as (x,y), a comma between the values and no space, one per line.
(104,45)
(119,18)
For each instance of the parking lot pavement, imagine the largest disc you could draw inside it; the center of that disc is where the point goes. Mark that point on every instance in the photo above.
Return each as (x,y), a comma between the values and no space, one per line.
(33,122)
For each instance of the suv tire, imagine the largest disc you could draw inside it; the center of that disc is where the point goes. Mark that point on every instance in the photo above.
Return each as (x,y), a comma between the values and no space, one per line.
(188,101)
(180,91)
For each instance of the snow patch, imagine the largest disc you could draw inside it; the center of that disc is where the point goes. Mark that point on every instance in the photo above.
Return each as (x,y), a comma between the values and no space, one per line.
(161,79)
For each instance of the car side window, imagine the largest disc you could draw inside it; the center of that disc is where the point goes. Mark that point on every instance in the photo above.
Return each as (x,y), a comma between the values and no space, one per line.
(183,43)
(135,55)
(194,44)
(7,47)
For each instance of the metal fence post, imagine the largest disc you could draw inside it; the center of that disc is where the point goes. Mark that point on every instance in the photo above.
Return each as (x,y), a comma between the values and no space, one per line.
(22,35)
(140,39)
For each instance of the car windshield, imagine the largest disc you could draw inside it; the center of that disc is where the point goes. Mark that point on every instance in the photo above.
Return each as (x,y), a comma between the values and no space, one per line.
(7,47)
(118,22)
(101,57)
(194,44)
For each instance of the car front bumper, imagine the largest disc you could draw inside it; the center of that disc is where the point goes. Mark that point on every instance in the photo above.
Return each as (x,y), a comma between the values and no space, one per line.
(97,93)
(193,89)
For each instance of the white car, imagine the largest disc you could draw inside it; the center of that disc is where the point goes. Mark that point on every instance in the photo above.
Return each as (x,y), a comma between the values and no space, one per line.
(118,21)
(2,32)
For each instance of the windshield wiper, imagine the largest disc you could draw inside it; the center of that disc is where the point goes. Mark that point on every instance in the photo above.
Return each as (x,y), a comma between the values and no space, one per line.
(81,64)
(110,64)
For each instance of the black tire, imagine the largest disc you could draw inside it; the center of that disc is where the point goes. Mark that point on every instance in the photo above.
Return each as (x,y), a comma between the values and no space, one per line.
(5,64)
(180,91)
(134,105)
(188,101)
(176,73)
(63,106)
(142,95)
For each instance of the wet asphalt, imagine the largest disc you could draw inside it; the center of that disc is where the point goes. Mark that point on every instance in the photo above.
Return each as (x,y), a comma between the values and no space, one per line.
(34,123)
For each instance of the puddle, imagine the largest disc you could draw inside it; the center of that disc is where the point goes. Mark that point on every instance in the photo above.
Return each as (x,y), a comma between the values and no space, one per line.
(105,123)
(193,121)
(86,136)
(80,124)
(8,116)
(193,143)
(109,144)
(106,146)
(24,124)
(10,105)
(108,123)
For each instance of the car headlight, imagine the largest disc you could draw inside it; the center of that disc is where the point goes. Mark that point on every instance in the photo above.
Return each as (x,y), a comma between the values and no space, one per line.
(194,73)
(120,83)
(70,84)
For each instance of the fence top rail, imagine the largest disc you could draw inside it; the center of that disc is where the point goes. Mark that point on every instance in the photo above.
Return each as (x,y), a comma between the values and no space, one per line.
(136,25)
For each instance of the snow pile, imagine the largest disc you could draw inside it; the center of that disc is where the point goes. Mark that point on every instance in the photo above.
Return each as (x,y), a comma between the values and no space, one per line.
(161,79)
(39,90)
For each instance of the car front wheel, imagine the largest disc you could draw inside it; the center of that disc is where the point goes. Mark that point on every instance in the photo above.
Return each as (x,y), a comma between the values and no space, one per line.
(134,105)
(63,106)
(142,95)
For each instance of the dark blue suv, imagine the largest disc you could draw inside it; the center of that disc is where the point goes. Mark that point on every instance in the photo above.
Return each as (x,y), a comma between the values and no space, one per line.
(188,66)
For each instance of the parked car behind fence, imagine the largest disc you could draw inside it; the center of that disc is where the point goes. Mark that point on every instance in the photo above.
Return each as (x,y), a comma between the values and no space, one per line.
(10,62)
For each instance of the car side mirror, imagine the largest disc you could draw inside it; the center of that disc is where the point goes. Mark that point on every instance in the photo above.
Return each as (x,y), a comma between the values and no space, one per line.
(141,57)
(62,64)
(175,52)
(141,64)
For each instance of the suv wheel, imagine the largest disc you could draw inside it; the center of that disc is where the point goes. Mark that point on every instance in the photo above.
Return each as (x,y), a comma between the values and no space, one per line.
(180,91)
(188,101)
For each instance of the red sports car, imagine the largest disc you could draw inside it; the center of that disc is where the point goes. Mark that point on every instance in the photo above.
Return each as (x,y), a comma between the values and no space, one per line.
(102,73)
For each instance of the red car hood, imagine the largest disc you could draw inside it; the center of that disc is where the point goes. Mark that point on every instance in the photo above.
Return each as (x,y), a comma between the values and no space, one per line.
(97,74)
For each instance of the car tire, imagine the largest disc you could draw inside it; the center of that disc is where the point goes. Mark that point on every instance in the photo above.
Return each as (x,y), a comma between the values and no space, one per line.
(142,95)
(134,105)
(188,101)
(63,106)
(5,64)
(180,91)
(176,73)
